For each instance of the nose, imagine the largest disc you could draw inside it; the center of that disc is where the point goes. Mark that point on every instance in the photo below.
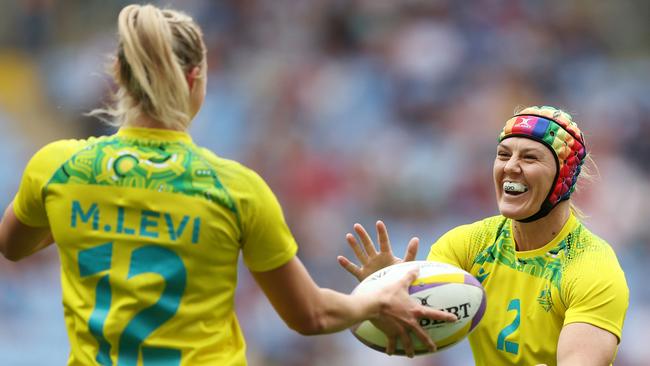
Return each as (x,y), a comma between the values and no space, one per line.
(512,166)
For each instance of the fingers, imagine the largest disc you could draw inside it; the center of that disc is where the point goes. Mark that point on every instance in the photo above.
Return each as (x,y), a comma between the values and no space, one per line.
(382,235)
(390,347)
(406,340)
(407,343)
(349,266)
(410,277)
(424,338)
(411,250)
(430,313)
(356,248)
(366,240)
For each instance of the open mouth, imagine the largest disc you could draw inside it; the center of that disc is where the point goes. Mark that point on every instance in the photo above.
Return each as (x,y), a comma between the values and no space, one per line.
(514,188)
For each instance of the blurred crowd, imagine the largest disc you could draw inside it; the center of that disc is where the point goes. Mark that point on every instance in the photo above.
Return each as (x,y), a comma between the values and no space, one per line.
(352,111)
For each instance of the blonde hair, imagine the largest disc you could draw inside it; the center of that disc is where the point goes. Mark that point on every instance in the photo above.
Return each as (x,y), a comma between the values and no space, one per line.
(589,169)
(157,48)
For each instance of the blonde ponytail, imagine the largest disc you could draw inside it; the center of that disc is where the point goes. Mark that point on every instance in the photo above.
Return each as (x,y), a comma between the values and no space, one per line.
(157,48)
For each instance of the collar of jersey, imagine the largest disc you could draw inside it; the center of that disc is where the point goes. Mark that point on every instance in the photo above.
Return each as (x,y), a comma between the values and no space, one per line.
(569,226)
(154,134)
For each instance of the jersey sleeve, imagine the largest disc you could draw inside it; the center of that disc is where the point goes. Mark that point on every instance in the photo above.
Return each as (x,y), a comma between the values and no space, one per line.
(597,292)
(461,245)
(453,247)
(29,204)
(267,242)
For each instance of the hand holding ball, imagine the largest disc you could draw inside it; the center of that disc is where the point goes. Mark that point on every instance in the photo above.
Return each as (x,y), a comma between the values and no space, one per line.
(440,286)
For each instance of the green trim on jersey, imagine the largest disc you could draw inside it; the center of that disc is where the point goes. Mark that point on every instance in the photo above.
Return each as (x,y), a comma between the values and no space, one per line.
(162,167)
(503,252)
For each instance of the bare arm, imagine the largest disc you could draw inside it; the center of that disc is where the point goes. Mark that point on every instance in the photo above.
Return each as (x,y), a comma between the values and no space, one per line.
(585,344)
(309,309)
(18,240)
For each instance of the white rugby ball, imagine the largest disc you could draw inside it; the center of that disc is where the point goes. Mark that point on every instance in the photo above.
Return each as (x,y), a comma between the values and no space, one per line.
(440,286)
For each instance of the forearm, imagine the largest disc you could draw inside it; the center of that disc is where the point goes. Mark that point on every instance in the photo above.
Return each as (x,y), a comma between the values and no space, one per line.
(309,309)
(18,240)
(335,311)
(5,239)
(585,344)
(583,360)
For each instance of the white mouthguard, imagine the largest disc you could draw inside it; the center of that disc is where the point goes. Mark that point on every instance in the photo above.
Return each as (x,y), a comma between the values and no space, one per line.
(514,187)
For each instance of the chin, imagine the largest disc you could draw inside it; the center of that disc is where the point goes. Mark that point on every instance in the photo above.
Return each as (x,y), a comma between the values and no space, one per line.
(514,213)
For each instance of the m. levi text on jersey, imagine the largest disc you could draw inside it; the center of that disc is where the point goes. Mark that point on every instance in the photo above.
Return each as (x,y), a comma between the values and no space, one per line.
(150,223)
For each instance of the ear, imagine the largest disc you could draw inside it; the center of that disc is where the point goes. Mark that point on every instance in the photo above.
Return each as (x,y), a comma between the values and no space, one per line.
(192,75)
(116,68)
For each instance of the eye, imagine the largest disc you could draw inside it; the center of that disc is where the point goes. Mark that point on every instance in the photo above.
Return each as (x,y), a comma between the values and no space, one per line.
(503,154)
(530,157)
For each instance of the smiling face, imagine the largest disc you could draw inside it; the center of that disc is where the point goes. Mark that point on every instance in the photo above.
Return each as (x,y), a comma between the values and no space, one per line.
(524,171)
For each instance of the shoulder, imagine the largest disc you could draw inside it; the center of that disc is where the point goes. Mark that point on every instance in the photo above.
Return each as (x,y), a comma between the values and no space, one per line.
(461,245)
(51,156)
(63,148)
(233,173)
(42,167)
(480,230)
(218,161)
(492,224)
(590,259)
(476,235)
(594,289)
(584,248)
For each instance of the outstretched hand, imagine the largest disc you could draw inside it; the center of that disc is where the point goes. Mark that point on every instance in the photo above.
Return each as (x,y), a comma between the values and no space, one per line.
(370,259)
(400,314)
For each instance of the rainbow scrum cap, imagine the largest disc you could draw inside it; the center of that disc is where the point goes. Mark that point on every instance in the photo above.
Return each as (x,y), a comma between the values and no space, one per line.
(565,141)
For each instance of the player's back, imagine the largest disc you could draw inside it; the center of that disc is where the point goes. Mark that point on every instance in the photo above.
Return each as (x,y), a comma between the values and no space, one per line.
(149,231)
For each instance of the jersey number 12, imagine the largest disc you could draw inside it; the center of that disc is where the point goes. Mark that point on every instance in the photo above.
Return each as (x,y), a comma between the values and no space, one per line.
(146,259)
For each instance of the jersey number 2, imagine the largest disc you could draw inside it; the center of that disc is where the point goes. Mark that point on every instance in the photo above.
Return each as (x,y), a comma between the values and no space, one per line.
(502,344)
(146,259)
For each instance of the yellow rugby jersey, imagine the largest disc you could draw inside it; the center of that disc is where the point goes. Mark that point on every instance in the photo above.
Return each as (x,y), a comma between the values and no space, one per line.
(532,294)
(149,228)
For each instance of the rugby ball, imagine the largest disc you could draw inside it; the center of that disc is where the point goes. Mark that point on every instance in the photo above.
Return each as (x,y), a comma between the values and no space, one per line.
(440,286)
